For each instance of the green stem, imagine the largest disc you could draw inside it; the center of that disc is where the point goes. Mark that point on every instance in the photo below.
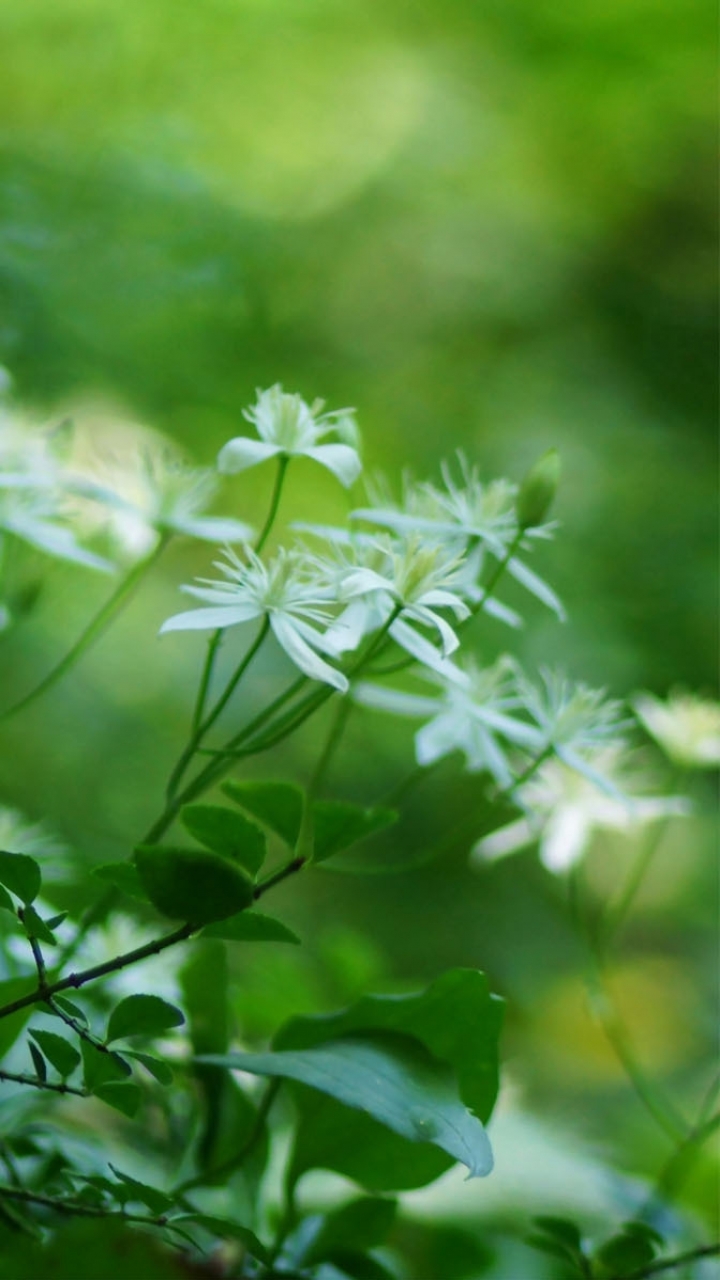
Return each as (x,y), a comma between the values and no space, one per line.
(617,913)
(15,1077)
(78,1210)
(75,980)
(603,1009)
(215,639)
(94,628)
(289,869)
(283,461)
(206,677)
(235,1162)
(203,728)
(677,1168)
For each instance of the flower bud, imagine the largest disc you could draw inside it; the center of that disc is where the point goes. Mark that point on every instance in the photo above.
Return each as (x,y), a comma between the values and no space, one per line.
(537,490)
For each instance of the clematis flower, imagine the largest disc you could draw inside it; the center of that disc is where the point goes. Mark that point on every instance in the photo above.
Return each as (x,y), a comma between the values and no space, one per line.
(574,721)
(475,518)
(285,591)
(686,726)
(564,808)
(470,714)
(407,577)
(131,483)
(288,427)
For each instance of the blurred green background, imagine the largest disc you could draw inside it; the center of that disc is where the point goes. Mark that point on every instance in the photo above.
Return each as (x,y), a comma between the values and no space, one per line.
(487,226)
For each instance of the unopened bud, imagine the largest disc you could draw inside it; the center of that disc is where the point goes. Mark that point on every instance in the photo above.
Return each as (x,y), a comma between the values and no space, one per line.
(537,490)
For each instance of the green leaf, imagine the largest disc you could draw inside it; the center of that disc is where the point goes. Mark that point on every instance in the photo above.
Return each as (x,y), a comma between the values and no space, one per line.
(194,886)
(142,1016)
(101,1067)
(62,1055)
(457,1020)
(630,1250)
(157,1067)
(70,1008)
(226,832)
(250,926)
(278,805)
(339,825)
(157,1201)
(6,902)
(13,989)
(125,876)
(21,875)
(122,1096)
(38,1062)
(361,1224)
(391,1078)
(225,1230)
(36,928)
(562,1229)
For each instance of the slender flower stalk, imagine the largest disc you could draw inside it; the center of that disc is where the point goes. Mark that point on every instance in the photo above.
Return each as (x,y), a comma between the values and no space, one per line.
(95,628)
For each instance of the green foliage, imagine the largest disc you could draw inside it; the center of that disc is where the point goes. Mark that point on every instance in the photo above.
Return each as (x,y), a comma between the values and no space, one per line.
(197,887)
(142,1016)
(251,926)
(226,832)
(60,1053)
(21,875)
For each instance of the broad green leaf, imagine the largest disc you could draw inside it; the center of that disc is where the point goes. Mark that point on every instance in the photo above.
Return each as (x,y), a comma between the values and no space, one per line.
(250,926)
(62,1055)
(362,1224)
(278,805)
(142,1016)
(38,1062)
(125,876)
(6,902)
(338,826)
(124,1097)
(36,928)
(157,1201)
(389,1077)
(194,886)
(227,832)
(224,1229)
(101,1066)
(456,1018)
(11,1026)
(157,1067)
(21,875)
(332,1136)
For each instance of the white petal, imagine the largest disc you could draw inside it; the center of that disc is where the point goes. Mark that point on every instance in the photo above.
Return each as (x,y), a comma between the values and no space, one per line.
(299,652)
(577,762)
(348,630)
(448,638)
(241,453)
(400,704)
(501,611)
(359,581)
(517,835)
(436,739)
(416,645)
(214,529)
(536,586)
(56,541)
(338,458)
(483,752)
(208,619)
(565,838)
(514,730)
(445,600)
(226,596)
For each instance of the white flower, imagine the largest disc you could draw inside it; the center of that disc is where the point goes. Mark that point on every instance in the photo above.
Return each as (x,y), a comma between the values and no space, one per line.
(33,501)
(285,591)
(473,517)
(564,808)
(686,726)
(408,578)
(288,427)
(134,485)
(469,716)
(573,720)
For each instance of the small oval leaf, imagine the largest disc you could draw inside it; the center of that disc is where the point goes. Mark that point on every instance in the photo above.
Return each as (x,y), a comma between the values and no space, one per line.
(62,1055)
(195,886)
(21,875)
(278,805)
(251,926)
(142,1016)
(227,832)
